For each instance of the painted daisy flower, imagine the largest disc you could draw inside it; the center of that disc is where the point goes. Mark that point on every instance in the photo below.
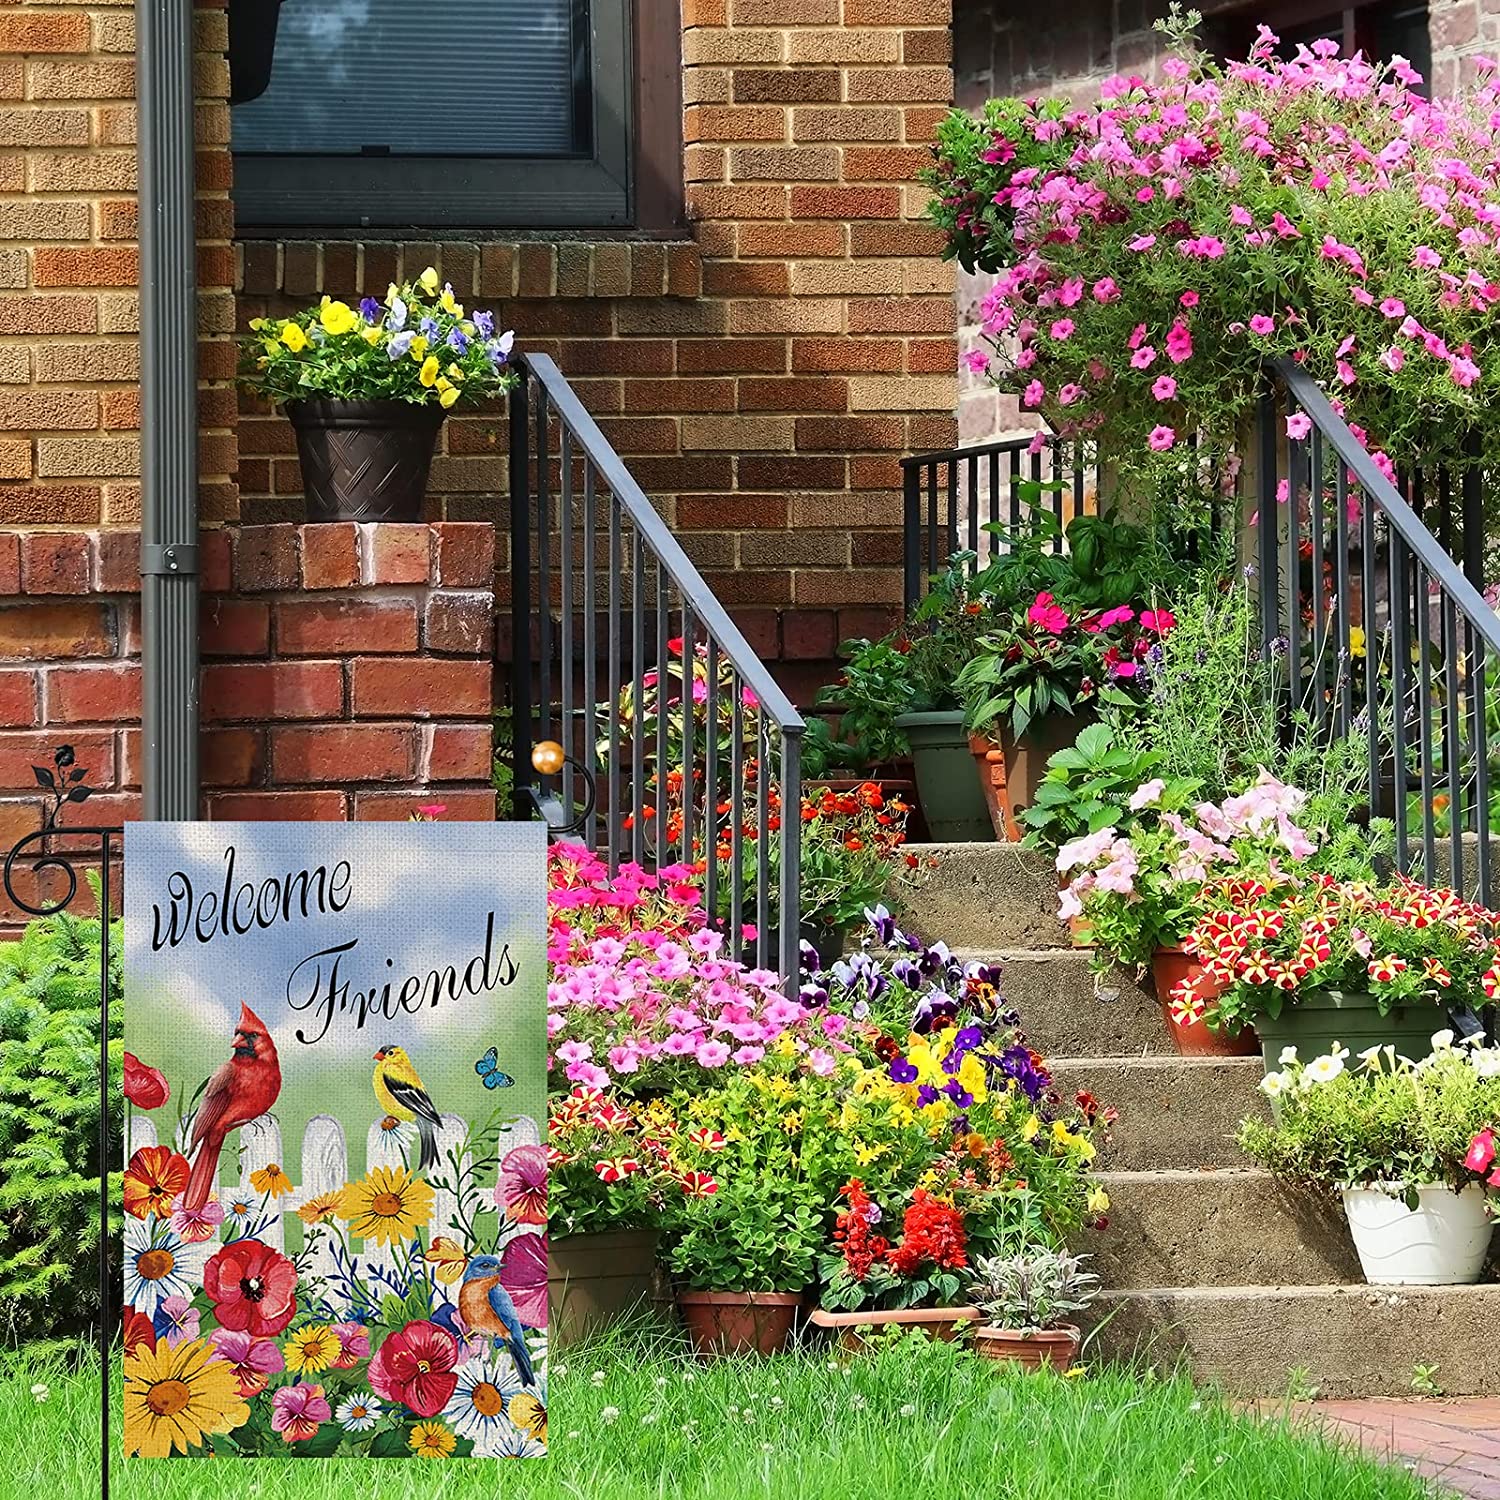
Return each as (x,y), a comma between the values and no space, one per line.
(159,1264)
(239,1212)
(477,1407)
(431,1440)
(311,1349)
(515,1444)
(359,1412)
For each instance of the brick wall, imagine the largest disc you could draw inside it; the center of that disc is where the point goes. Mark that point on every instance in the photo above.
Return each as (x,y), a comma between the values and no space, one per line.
(1004,47)
(762,376)
(69,311)
(348,671)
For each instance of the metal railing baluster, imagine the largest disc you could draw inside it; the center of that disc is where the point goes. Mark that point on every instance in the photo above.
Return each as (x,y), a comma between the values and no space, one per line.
(568,729)
(590,642)
(637,697)
(612,779)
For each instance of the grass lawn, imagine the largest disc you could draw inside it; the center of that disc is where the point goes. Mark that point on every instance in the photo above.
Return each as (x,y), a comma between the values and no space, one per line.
(631,1418)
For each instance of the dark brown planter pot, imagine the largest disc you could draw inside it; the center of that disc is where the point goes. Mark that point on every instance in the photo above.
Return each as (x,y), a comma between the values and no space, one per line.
(364,460)
(739,1322)
(851,1330)
(1057,1347)
(594,1279)
(1169,967)
(252,47)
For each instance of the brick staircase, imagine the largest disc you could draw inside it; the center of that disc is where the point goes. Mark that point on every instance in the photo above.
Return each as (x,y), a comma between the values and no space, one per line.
(1206,1259)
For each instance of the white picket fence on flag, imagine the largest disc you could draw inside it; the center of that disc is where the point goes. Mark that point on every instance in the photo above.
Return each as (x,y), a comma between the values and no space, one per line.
(325,1167)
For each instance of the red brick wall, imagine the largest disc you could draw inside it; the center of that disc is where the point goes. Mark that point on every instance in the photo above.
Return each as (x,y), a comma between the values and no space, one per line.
(348,671)
(69,310)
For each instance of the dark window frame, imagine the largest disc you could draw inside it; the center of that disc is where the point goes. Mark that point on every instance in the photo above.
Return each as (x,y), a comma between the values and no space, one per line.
(633,178)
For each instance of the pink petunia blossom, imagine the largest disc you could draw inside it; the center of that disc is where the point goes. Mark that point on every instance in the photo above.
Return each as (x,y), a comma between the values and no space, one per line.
(1062,329)
(1262,324)
(1164,387)
(1161,439)
(1298,425)
(1143,358)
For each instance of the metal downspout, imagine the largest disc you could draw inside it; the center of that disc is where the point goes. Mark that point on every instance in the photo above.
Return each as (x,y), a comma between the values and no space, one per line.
(169,409)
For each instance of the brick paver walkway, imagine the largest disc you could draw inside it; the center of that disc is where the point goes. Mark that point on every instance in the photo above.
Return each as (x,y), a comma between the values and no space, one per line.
(1456,1442)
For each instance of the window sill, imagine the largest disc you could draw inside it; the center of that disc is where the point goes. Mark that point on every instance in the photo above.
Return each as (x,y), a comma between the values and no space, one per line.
(517,268)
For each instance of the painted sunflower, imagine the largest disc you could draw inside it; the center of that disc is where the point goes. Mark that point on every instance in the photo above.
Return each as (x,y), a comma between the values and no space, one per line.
(174,1398)
(387,1206)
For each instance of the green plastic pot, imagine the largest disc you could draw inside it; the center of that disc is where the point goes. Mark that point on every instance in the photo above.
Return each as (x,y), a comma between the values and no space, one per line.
(1316,1021)
(947,780)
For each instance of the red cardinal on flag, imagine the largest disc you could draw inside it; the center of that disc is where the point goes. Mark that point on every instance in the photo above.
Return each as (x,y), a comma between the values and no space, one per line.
(241,1090)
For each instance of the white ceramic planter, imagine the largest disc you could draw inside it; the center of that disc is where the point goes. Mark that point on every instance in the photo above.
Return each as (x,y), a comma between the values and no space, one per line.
(1440,1243)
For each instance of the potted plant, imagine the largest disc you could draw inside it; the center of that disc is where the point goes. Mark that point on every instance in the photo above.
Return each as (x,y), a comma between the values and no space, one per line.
(741,1241)
(866,744)
(912,1279)
(1036,679)
(1023,1300)
(1408,1146)
(605,1185)
(368,387)
(1311,960)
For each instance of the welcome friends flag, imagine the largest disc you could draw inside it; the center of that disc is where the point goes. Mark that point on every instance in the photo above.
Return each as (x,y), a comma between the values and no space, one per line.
(336,1185)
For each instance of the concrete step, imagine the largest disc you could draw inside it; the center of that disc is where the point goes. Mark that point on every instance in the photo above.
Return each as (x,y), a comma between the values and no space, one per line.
(1229,1227)
(1351,1340)
(1068,1011)
(1174,1111)
(981,896)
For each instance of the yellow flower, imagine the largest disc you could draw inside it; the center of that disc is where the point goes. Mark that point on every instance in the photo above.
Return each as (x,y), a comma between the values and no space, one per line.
(448,1257)
(971,1077)
(528,1413)
(429,280)
(865,1154)
(1098,1200)
(337,317)
(373,336)
(431,1440)
(256,324)
(388,1206)
(1030,1128)
(791,1122)
(455,372)
(321,1209)
(391,293)
(785,1047)
(419,347)
(1356,641)
(448,305)
(449,396)
(429,373)
(271,1181)
(175,1397)
(294,338)
(311,1349)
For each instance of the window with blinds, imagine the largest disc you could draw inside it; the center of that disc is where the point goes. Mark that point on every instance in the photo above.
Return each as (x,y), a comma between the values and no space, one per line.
(439,113)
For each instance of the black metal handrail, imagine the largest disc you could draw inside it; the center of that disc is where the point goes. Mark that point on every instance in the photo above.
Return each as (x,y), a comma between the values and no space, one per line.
(713,777)
(949,498)
(1340,549)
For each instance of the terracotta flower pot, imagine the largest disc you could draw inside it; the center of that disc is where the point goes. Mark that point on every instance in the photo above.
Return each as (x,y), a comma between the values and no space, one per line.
(595,1279)
(990,761)
(1057,1347)
(1026,758)
(1169,967)
(852,1330)
(739,1322)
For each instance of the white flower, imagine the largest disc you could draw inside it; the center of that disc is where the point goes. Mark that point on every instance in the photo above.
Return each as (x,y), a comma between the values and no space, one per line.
(1288,1056)
(160,1264)
(1442,1040)
(1370,1057)
(359,1413)
(476,1409)
(1325,1069)
(598,1377)
(650,1418)
(1273,1085)
(511,1442)
(41,1392)
(1339,1051)
(609,1415)
(908,1410)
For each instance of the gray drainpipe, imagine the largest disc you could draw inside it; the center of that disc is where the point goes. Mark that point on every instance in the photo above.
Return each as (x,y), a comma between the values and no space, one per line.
(169,409)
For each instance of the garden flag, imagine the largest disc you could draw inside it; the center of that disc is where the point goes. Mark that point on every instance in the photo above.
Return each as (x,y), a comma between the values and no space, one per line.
(335,1187)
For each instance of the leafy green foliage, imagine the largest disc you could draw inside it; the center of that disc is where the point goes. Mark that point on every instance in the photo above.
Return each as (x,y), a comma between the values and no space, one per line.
(1034,1289)
(49,1122)
(1088,787)
(1384,1121)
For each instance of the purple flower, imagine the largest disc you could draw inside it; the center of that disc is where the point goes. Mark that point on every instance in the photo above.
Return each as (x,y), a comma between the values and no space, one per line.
(967,1039)
(902,1071)
(400,346)
(397,318)
(958,1094)
(429,328)
(485,323)
(457,340)
(369,310)
(926,1095)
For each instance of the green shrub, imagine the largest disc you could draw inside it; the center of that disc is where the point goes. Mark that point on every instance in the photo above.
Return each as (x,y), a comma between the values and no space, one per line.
(49,1122)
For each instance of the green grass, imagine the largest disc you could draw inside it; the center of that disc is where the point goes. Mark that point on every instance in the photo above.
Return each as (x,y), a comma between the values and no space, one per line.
(632,1419)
